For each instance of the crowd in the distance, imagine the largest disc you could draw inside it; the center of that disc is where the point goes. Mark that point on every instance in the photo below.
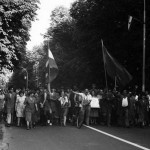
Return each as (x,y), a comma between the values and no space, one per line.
(29,108)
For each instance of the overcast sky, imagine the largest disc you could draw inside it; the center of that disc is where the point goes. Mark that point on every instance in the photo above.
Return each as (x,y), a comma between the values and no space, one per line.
(43,22)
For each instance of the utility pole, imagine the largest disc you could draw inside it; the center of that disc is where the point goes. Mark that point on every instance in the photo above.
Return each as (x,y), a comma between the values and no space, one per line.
(144,47)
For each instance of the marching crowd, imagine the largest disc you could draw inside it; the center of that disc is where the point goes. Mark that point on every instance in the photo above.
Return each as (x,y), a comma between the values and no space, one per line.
(30,108)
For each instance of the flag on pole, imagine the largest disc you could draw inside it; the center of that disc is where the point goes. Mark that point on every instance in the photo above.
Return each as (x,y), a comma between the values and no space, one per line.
(129,22)
(52,68)
(114,69)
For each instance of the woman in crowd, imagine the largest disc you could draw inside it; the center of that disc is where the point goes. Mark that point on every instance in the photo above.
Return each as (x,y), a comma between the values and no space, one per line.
(30,107)
(20,107)
(94,108)
(64,107)
(37,111)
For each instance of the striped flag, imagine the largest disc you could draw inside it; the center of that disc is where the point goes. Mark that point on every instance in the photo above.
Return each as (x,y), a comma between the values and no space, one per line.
(52,68)
(129,22)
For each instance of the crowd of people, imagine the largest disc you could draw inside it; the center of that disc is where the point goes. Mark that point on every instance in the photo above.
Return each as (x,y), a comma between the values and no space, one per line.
(30,108)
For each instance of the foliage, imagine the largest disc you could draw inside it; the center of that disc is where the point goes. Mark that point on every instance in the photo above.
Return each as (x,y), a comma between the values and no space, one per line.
(15,22)
(33,63)
(76,42)
(64,48)
(5,75)
(108,20)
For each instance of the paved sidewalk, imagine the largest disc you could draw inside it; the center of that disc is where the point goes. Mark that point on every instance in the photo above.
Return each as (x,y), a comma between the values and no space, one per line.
(3,144)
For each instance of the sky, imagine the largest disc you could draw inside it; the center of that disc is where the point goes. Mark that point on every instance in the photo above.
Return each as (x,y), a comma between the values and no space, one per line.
(41,25)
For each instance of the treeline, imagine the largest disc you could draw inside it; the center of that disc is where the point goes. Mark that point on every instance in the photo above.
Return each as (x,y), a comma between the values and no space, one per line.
(76,42)
(15,22)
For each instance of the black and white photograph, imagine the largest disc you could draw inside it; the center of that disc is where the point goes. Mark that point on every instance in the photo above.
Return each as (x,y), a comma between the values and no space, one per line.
(74,74)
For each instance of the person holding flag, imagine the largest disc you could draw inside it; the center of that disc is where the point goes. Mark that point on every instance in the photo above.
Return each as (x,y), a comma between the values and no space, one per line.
(86,99)
(51,69)
(51,74)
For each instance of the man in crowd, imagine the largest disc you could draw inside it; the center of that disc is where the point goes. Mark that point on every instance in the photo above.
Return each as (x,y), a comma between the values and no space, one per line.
(10,99)
(93,88)
(108,99)
(125,108)
(46,111)
(54,103)
(72,108)
(85,108)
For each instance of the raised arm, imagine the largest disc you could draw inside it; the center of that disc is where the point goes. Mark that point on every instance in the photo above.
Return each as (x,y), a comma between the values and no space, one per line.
(81,94)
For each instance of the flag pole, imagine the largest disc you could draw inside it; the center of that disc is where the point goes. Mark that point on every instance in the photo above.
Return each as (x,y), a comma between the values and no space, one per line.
(115,83)
(104,66)
(144,39)
(49,83)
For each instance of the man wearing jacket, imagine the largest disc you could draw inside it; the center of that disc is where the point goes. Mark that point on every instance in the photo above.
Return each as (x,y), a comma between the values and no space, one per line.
(10,99)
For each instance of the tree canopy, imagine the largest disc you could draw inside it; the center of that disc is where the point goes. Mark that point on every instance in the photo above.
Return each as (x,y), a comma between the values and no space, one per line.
(15,22)
(76,41)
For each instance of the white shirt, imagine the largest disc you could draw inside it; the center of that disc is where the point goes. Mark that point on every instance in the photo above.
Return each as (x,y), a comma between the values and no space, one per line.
(86,99)
(125,102)
(63,100)
(136,97)
(20,99)
(95,102)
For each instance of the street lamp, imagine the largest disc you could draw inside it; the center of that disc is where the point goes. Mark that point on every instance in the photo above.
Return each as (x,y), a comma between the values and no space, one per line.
(36,66)
(24,69)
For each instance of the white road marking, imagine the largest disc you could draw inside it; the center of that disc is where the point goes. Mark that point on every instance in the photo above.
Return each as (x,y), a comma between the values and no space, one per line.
(120,139)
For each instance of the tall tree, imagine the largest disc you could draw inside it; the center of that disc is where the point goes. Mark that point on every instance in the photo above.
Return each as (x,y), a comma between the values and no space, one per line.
(15,22)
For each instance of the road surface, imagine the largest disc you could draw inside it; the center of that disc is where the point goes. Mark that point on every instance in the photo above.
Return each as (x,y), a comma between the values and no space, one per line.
(71,138)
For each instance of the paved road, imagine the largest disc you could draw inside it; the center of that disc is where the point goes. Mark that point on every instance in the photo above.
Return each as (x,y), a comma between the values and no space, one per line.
(71,138)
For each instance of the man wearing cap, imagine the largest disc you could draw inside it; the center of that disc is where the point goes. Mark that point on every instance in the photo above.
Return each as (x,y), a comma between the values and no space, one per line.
(86,107)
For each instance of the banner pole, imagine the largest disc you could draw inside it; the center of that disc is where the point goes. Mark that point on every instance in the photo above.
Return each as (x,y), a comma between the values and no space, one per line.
(104,66)
(49,83)
(115,83)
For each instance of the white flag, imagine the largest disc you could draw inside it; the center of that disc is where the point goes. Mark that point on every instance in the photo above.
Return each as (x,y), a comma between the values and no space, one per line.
(129,22)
